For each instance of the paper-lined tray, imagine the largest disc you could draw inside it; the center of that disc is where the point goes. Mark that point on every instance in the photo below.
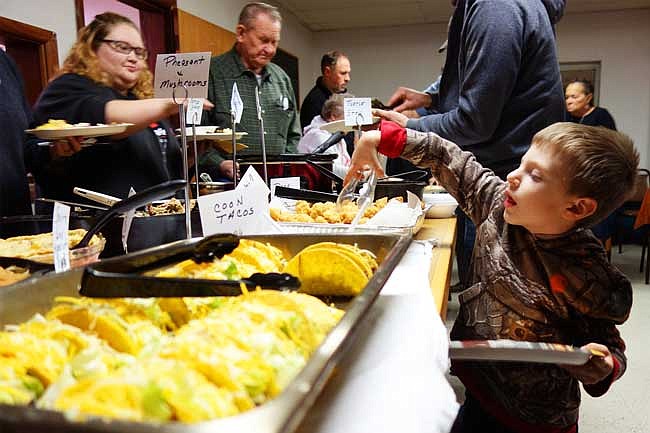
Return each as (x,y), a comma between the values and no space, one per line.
(520,351)
(212,133)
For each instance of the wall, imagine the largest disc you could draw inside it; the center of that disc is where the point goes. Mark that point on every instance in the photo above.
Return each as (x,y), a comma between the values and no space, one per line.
(96,7)
(385,58)
(621,41)
(58,17)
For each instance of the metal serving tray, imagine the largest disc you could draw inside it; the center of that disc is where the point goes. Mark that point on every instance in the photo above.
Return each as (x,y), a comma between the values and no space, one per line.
(283,414)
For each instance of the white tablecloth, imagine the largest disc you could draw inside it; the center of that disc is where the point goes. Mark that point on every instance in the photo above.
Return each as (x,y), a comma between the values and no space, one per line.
(393,377)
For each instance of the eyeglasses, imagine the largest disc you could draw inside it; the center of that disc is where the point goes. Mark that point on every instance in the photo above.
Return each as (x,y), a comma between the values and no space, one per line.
(124,48)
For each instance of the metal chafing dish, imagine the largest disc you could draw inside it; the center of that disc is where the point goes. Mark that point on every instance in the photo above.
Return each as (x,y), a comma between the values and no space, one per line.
(283,414)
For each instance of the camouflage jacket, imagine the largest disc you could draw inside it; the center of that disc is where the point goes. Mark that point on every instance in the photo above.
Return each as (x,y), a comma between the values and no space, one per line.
(560,290)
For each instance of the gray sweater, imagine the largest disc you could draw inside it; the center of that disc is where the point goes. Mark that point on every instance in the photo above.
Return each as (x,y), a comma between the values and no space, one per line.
(501,80)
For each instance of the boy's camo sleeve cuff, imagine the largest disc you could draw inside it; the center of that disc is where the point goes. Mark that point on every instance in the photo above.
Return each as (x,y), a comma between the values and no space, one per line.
(393,139)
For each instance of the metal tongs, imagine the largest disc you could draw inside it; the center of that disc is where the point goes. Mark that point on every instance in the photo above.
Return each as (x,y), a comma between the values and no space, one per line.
(364,198)
(127,276)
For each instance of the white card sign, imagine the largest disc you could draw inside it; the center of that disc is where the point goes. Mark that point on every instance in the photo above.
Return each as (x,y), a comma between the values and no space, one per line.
(194,111)
(252,179)
(289,182)
(244,211)
(126,224)
(236,211)
(236,104)
(357,111)
(60,224)
(176,71)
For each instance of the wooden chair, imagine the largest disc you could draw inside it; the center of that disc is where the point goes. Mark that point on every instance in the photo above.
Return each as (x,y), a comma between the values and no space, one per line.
(642,221)
(628,212)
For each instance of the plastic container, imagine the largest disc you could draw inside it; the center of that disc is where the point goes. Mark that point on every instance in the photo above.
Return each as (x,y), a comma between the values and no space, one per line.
(440,205)
(79,257)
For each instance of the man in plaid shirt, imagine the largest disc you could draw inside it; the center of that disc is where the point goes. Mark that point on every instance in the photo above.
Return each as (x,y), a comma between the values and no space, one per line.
(249,65)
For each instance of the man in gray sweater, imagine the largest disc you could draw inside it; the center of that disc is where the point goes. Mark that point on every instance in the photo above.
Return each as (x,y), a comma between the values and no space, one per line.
(499,86)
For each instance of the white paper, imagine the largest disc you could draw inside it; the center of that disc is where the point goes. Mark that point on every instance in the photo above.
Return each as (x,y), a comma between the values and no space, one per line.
(236,104)
(60,224)
(180,71)
(289,182)
(126,224)
(252,178)
(394,374)
(357,111)
(194,111)
(240,211)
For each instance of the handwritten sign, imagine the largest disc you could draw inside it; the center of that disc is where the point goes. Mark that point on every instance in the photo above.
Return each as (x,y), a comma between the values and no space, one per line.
(357,111)
(60,224)
(289,182)
(176,71)
(244,210)
(233,211)
(252,179)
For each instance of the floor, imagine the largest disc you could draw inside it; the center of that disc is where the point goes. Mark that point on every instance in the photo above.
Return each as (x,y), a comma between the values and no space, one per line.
(626,407)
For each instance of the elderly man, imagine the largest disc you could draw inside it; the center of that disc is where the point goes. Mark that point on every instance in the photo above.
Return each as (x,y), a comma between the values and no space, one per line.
(335,67)
(249,65)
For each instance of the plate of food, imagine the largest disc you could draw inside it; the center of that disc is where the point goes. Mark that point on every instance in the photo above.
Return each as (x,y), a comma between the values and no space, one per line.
(339,125)
(55,129)
(212,133)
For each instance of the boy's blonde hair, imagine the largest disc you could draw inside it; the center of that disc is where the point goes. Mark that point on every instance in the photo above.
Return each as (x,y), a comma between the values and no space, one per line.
(82,59)
(599,163)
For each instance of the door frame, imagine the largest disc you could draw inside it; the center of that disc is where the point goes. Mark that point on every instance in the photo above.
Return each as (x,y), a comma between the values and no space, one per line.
(45,39)
(168,9)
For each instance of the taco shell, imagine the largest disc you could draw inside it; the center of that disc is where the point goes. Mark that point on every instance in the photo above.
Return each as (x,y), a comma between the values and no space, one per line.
(327,271)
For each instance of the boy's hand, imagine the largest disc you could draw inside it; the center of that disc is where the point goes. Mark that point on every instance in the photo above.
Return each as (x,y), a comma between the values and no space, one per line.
(365,156)
(393,116)
(596,369)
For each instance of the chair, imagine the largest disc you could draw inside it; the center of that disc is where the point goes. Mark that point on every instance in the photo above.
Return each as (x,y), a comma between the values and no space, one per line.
(642,221)
(627,213)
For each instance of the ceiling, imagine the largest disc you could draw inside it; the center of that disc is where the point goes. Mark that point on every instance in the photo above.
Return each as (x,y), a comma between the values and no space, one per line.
(324,15)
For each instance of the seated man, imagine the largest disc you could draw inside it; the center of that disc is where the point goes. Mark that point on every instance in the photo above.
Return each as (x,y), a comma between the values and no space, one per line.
(313,137)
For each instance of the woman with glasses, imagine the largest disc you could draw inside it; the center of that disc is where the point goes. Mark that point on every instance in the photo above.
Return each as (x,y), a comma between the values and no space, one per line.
(104,80)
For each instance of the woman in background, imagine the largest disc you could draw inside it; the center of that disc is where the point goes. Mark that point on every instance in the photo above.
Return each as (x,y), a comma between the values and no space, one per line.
(580,106)
(105,79)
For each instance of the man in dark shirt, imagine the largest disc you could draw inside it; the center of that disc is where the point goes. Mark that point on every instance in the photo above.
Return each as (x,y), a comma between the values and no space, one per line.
(335,67)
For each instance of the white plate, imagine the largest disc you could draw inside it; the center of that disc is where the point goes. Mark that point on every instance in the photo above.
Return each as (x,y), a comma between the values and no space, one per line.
(80,131)
(207,133)
(339,125)
(520,351)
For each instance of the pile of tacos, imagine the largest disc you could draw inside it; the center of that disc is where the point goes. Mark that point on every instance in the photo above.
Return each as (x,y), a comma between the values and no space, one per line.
(140,360)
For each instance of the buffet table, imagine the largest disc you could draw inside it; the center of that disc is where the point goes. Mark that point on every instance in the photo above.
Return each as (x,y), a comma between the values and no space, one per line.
(393,378)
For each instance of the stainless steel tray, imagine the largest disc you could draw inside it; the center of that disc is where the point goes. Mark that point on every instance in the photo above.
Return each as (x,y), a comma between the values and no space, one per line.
(283,414)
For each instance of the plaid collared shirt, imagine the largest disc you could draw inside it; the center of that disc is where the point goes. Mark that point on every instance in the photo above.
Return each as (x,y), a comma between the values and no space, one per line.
(278,102)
